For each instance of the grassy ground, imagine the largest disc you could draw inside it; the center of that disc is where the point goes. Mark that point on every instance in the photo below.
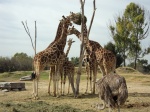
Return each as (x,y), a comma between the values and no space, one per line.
(21,101)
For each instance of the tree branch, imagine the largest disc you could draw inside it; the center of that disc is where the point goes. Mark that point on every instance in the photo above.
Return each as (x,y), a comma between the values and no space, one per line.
(94,9)
(27,31)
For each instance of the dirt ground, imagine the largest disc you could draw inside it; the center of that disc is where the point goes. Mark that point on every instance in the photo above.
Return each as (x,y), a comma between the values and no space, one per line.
(21,101)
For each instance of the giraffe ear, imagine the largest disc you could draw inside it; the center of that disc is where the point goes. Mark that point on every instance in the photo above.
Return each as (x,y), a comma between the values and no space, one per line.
(63,17)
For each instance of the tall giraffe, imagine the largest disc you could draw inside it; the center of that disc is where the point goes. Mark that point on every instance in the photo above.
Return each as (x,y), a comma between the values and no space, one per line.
(53,56)
(98,55)
(91,66)
(52,68)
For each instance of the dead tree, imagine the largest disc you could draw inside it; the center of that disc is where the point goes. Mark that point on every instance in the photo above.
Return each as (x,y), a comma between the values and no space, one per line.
(82,47)
(112,89)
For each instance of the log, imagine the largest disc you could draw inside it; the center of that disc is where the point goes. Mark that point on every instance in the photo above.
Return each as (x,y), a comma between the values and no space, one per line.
(12,85)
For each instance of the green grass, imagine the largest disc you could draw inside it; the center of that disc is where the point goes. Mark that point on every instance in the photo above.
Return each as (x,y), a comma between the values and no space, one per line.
(21,102)
(38,106)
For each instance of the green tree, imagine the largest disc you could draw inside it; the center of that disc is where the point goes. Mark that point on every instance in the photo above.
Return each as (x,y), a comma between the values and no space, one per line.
(110,46)
(5,64)
(22,61)
(120,34)
(75,61)
(138,22)
(142,65)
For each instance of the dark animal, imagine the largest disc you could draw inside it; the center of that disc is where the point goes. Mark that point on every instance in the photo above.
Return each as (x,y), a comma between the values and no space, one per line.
(112,89)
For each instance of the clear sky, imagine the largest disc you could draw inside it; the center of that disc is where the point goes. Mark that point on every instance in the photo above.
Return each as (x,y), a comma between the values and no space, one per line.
(47,13)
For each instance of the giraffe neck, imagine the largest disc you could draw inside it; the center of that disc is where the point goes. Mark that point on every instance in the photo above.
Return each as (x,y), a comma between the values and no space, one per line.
(59,30)
(84,30)
(61,42)
(67,52)
(58,34)
(77,33)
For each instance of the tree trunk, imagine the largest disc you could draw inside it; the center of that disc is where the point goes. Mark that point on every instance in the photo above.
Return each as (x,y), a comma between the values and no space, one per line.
(81,52)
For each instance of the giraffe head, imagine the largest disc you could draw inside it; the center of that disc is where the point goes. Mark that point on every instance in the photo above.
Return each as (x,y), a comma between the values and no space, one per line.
(65,26)
(67,21)
(71,31)
(70,41)
(77,18)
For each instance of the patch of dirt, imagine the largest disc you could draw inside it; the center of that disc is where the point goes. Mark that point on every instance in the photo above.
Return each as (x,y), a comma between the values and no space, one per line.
(137,105)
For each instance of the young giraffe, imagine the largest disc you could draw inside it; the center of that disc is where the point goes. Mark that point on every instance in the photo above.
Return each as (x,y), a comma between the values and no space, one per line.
(92,68)
(67,69)
(53,56)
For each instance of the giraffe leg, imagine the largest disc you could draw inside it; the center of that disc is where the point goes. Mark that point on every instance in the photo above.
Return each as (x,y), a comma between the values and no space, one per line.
(36,95)
(102,69)
(90,80)
(51,73)
(61,90)
(33,88)
(87,72)
(64,83)
(94,78)
(35,81)
(54,82)
(69,79)
(57,79)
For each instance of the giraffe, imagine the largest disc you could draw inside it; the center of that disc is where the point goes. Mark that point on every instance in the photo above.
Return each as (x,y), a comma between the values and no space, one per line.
(52,68)
(97,55)
(53,56)
(105,59)
(68,68)
(70,41)
(91,66)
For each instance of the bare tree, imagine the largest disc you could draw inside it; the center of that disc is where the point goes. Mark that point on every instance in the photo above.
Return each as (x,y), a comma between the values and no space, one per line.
(28,32)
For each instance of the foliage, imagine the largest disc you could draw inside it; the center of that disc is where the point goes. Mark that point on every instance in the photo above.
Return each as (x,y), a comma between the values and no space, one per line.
(139,27)
(120,34)
(128,32)
(20,61)
(75,61)
(110,46)
(142,66)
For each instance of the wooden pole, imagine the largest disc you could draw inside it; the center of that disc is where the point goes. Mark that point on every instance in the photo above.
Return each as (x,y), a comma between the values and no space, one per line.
(35,38)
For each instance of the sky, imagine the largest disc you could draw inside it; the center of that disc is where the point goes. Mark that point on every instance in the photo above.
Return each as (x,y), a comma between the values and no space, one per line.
(47,13)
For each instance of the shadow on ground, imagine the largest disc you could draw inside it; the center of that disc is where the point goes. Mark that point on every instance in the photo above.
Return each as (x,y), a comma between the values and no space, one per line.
(135,94)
